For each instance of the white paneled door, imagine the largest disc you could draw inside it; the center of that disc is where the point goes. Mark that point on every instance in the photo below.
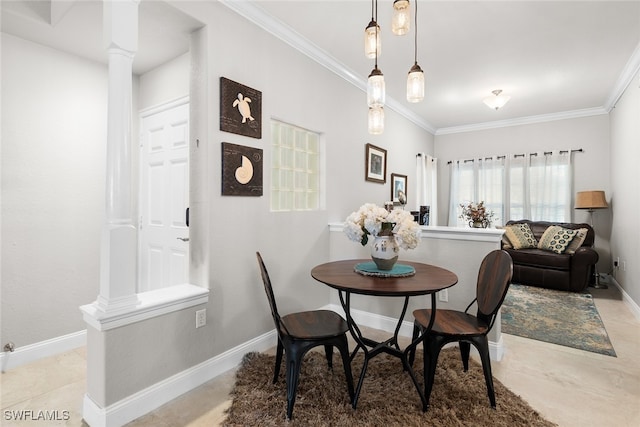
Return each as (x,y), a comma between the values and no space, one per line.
(164,198)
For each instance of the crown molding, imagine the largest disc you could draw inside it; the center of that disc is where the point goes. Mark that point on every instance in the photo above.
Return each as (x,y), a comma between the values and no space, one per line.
(279,29)
(573,114)
(626,76)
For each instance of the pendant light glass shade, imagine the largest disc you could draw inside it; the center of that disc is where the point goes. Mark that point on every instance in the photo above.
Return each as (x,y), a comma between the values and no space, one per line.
(415,84)
(400,22)
(375,89)
(376,120)
(372,45)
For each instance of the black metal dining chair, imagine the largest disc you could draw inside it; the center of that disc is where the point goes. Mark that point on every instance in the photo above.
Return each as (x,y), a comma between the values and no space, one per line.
(494,277)
(300,332)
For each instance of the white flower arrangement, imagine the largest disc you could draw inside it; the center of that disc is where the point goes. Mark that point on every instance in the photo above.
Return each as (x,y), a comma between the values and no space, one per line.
(369,220)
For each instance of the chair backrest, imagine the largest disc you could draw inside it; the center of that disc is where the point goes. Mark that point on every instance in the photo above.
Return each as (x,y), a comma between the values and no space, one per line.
(494,278)
(270,296)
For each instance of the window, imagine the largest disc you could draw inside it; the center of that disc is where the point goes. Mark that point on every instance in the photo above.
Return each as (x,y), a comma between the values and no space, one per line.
(534,186)
(295,168)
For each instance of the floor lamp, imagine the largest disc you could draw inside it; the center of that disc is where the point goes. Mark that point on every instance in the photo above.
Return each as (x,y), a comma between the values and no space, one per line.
(592,200)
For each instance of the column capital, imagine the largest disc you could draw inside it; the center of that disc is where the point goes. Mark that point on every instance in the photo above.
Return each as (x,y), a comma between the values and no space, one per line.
(120,24)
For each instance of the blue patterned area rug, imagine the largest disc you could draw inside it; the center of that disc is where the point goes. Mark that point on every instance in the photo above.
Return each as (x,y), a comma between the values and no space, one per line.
(565,318)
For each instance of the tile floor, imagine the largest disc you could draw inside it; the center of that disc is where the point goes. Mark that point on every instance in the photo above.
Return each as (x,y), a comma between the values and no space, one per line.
(567,386)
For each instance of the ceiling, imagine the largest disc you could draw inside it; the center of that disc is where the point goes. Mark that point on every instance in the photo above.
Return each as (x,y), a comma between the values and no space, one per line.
(555,59)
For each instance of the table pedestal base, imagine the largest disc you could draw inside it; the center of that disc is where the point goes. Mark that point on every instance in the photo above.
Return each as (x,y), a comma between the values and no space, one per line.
(372,348)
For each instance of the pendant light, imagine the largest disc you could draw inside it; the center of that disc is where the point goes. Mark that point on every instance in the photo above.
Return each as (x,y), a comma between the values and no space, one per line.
(415,78)
(372,46)
(376,120)
(401,17)
(375,83)
(375,88)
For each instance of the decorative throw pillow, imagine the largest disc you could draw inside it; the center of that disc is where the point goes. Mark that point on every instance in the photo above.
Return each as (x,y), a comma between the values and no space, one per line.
(577,241)
(520,236)
(506,244)
(556,239)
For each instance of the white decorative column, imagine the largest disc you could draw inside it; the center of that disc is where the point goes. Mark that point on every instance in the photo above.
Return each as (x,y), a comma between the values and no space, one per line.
(118,263)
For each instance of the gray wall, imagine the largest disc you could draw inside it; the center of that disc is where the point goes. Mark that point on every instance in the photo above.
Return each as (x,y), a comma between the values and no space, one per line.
(53,161)
(625,191)
(591,167)
(296,90)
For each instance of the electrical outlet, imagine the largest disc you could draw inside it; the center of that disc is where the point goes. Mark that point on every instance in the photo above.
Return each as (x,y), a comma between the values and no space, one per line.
(616,263)
(443,295)
(201,318)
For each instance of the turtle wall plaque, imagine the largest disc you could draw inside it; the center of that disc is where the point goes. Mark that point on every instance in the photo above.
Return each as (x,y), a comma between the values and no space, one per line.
(241,170)
(240,109)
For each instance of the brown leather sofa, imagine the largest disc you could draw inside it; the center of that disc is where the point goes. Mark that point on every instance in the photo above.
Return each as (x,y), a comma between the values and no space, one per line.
(547,269)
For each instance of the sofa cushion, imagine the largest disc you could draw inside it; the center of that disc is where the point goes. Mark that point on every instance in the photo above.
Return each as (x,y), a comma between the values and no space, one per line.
(506,244)
(577,241)
(540,258)
(539,227)
(556,239)
(520,236)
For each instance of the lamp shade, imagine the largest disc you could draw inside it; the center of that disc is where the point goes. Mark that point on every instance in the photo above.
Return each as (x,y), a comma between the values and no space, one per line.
(415,84)
(401,17)
(375,89)
(372,46)
(376,120)
(593,199)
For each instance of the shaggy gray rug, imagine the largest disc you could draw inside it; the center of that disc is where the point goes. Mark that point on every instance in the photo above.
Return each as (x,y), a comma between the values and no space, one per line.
(388,397)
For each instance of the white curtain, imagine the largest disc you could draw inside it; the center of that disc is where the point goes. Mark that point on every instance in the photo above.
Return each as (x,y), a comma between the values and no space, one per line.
(427,185)
(462,189)
(491,188)
(535,186)
(550,186)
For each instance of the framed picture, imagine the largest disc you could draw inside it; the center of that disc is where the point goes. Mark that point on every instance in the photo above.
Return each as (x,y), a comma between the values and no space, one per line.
(241,170)
(399,189)
(240,109)
(376,164)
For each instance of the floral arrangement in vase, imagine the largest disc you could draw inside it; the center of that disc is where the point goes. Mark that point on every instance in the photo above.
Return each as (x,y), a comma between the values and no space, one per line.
(391,229)
(476,214)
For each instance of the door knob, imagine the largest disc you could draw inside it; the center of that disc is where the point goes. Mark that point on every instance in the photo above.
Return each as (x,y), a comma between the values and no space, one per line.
(184,239)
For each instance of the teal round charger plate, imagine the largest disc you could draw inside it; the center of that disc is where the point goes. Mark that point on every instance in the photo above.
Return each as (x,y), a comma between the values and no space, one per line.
(370,269)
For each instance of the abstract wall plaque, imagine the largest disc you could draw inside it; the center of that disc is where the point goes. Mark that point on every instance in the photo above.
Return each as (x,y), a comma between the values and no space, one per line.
(240,109)
(241,170)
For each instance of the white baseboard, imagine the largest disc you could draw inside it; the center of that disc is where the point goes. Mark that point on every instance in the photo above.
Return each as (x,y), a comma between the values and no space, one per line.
(31,353)
(160,393)
(635,309)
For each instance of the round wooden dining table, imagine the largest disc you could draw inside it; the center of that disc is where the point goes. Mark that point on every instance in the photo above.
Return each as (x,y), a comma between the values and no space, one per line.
(425,280)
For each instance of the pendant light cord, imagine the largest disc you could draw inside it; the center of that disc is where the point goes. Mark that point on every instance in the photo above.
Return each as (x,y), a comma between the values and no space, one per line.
(377,26)
(415,44)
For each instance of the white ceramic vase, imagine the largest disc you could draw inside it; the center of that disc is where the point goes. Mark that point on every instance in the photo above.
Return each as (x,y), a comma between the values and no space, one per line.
(384,252)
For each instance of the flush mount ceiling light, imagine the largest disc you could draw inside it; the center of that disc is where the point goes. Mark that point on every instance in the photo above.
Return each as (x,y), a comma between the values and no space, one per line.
(496,101)
(401,17)
(372,46)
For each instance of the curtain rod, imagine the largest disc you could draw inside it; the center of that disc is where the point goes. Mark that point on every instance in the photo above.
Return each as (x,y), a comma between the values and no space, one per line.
(420,155)
(579,150)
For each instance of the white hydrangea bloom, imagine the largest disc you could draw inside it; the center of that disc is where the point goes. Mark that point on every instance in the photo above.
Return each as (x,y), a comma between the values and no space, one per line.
(369,219)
